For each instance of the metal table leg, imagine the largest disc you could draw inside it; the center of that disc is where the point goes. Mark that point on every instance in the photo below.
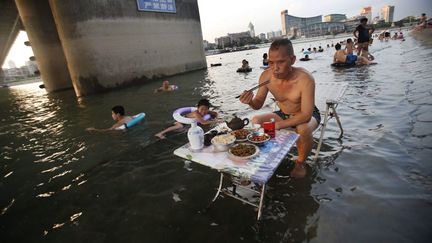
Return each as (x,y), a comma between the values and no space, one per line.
(219,188)
(261,201)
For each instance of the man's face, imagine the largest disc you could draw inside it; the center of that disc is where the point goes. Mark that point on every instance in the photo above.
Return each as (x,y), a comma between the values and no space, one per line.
(203,110)
(114,116)
(280,62)
(165,84)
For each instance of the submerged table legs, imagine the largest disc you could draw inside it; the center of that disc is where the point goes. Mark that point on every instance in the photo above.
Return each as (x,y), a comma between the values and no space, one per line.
(233,193)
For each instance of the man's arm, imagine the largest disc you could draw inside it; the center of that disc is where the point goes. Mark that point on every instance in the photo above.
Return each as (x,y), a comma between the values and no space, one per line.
(306,106)
(258,101)
(355,33)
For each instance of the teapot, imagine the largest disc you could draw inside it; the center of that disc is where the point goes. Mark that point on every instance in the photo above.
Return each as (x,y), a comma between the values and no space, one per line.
(237,123)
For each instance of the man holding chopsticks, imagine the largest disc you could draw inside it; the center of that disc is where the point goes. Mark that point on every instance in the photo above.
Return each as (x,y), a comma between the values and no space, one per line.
(294,91)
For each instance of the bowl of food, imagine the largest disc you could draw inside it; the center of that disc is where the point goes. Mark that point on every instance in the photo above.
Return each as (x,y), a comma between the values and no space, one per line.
(241,134)
(243,151)
(258,138)
(222,142)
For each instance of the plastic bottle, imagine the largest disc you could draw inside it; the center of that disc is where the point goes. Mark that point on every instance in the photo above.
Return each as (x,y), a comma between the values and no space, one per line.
(196,137)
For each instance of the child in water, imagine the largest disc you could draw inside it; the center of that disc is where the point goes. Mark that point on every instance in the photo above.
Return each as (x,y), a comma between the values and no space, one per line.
(118,115)
(202,110)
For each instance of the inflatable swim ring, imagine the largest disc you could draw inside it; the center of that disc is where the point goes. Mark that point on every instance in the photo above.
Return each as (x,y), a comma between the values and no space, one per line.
(174,87)
(135,119)
(305,59)
(215,64)
(264,67)
(178,115)
(342,64)
(244,70)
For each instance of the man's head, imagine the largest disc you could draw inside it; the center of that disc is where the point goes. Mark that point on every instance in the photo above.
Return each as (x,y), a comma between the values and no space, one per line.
(338,47)
(117,112)
(307,56)
(423,14)
(281,57)
(265,55)
(203,106)
(165,84)
(363,21)
(349,40)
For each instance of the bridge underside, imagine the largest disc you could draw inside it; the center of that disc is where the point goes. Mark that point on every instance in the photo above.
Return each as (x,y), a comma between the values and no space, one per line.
(104,44)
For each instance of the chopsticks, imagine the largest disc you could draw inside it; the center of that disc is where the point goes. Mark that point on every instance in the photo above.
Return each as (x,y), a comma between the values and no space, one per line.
(256,87)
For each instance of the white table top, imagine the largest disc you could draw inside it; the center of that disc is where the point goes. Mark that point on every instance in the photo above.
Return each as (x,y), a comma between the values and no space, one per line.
(258,169)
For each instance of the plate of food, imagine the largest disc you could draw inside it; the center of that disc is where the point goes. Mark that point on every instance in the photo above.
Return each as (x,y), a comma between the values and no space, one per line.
(222,142)
(258,138)
(243,151)
(241,134)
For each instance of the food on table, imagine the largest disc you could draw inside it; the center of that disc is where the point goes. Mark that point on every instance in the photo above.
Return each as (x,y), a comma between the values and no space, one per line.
(224,139)
(241,133)
(259,138)
(243,150)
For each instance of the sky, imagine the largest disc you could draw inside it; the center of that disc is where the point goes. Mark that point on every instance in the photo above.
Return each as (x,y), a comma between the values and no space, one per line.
(219,17)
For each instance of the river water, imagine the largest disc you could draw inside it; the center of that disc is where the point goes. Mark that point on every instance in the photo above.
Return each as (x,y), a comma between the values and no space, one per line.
(59,183)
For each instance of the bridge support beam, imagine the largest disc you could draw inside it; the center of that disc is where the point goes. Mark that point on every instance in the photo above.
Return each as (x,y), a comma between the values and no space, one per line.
(38,21)
(110,43)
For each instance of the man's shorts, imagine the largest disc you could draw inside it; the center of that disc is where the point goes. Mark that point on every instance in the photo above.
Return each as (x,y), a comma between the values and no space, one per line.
(351,59)
(315,114)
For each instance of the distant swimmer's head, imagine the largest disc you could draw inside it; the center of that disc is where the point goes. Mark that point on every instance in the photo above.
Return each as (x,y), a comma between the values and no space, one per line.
(117,112)
(165,84)
(306,56)
(203,106)
(338,47)
(423,14)
(309,49)
(349,40)
(265,55)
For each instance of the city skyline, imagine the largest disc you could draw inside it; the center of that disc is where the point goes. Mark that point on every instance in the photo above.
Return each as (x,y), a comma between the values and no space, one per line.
(221,17)
(217,19)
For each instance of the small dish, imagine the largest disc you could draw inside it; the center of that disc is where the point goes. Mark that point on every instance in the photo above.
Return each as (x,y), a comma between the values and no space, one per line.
(250,151)
(222,142)
(241,134)
(258,138)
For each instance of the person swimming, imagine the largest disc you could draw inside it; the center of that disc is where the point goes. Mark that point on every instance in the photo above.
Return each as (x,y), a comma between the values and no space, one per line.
(118,115)
(165,87)
(203,108)
(341,57)
(265,59)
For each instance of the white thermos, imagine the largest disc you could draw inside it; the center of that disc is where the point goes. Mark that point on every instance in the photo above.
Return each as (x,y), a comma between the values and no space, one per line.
(196,137)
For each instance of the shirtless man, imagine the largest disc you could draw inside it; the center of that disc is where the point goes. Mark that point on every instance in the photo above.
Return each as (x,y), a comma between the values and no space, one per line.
(165,87)
(349,47)
(294,90)
(341,57)
(422,23)
(118,115)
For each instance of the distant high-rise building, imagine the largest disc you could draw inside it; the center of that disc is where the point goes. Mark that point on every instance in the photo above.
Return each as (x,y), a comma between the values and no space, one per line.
(251,30)
(11,64)
(292,23)
(262,36)
(367,12)
(387,13)
(334,17)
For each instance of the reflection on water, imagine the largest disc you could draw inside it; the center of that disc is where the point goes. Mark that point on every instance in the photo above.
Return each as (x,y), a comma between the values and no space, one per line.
(59,183)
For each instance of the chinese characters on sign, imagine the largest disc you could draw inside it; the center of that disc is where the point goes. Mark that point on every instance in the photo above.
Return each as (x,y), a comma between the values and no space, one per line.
(165,6)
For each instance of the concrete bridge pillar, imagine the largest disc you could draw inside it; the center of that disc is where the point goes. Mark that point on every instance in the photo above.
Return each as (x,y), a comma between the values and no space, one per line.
(41,30)
(109,43)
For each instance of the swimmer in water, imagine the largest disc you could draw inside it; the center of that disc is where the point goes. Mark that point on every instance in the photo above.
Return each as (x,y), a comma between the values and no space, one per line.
(202,110)
(118,115)
(341,57)
(349,47)
(165,87)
